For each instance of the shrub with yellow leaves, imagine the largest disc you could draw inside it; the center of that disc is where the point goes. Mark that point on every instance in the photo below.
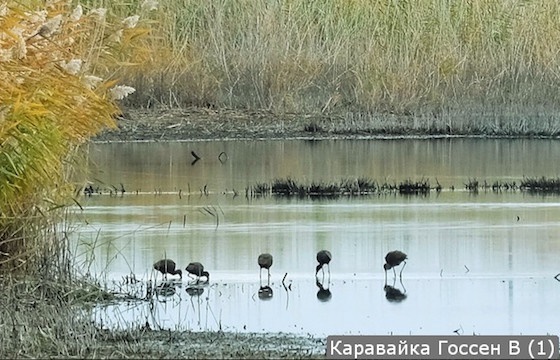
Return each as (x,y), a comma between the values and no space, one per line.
(54,95)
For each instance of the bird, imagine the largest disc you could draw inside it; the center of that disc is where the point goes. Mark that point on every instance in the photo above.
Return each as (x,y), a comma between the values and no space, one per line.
(265,261)
(197,269)
(167,266)
(324,258)
(392,259)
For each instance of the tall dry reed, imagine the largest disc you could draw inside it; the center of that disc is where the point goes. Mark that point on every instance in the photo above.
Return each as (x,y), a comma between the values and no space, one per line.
(58,88)
(57,91)
(407,57)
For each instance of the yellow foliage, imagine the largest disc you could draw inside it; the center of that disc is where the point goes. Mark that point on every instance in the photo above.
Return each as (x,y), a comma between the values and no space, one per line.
(55,94)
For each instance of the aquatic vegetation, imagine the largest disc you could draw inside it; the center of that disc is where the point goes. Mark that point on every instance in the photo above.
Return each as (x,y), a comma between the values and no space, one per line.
(57,91)
(363,186)
(58,88)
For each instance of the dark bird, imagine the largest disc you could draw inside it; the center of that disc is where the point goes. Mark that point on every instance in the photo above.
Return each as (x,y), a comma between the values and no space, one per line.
(197,269)
(324,258)
(167,266)
(265,261)
(392,259)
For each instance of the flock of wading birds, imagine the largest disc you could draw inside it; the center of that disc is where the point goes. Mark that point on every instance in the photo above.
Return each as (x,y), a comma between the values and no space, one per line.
(324,257)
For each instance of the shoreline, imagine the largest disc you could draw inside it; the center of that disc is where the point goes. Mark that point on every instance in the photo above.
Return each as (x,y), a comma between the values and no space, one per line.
(203,124)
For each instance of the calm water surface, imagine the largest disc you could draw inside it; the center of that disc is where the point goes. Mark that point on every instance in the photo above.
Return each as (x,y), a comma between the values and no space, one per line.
(473,266)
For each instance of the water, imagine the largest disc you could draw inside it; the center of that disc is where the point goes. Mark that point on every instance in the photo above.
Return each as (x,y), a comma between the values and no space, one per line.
(481,264)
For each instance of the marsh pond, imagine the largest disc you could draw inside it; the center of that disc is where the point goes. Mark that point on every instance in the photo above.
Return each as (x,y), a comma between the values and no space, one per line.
(481,262)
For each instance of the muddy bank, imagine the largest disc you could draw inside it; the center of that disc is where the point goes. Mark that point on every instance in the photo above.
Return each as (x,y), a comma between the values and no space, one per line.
(208,345)
(213,124)
(209,124)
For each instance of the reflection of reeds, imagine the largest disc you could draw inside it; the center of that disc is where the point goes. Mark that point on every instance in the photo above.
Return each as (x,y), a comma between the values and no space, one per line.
(212,211)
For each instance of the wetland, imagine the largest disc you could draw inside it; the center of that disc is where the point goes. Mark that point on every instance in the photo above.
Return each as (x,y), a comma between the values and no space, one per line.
(479,262)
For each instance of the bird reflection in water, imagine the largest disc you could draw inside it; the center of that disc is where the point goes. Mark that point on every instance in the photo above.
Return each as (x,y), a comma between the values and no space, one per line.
(393,294)
(265,293)
(194,290)
(165,289)
(324,294)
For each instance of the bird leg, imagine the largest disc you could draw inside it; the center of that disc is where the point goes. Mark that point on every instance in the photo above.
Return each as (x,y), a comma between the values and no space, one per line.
(404,264)
(385,277)
(403,286)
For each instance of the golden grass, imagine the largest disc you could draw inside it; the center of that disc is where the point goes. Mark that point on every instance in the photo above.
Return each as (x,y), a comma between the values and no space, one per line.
(57,65)
(415,57)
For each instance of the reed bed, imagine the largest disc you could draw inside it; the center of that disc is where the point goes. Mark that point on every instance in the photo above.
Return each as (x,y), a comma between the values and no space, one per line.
(541,185)
(452,67)
(346,187)
(365,187)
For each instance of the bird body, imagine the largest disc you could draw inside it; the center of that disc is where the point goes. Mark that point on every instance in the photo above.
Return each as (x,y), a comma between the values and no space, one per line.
(167,266)
(324,258)
(265,262)
(394,258)
(197,269)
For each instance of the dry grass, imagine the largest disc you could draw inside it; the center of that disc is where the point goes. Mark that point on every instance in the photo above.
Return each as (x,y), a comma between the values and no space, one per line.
(451,67)
(53,319)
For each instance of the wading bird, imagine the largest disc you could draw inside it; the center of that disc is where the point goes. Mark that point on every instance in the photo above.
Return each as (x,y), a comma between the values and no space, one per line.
(324,258)
(197,269)
(167,266)
(265,261)
(392,259)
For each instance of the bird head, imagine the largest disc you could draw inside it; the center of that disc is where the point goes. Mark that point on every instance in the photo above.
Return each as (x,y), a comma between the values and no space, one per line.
(207,274)
(318,268)
(386,266)
(179,272)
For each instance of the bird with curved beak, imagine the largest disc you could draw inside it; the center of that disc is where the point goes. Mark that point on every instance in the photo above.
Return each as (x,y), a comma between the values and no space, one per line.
(392,259)
(265,262)
(167,266)
(197,269)
(324,257)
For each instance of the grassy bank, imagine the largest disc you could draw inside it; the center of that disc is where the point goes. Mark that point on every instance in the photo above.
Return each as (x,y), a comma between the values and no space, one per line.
(438,66)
